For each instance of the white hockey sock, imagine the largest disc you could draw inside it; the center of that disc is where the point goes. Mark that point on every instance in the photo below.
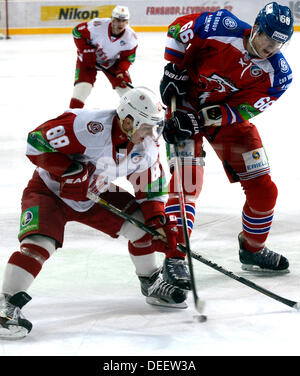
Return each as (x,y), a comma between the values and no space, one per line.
(16,279)
(82,90)
(145,265)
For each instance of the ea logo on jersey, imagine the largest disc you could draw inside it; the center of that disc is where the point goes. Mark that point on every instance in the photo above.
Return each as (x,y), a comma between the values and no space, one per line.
(26,218)
(229,23)
(255,155)
(95,127)
(283,66)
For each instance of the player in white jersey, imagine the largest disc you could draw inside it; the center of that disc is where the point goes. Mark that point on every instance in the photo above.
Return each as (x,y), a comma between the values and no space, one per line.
(83,151)
(107,43)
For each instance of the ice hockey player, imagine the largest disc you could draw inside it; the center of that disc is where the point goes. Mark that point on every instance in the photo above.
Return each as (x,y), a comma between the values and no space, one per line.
(223,72)
(107,43)
(85,150)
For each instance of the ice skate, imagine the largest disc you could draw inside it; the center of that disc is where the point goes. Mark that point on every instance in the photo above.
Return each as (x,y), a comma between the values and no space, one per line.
(13,324)
(264,260)
(159,292)
(176,273)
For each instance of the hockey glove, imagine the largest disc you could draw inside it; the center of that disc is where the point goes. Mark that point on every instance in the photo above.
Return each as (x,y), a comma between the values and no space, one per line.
(74,182)
(167,226)
(120,80)
(173,83)
(181,127)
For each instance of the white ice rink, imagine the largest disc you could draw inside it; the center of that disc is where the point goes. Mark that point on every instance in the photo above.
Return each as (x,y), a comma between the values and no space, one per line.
(87,300)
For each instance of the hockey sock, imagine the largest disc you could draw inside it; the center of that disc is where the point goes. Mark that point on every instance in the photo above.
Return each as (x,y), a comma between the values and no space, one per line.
(257,216)
(173,208)
(76,103)
(145,265)
(23,267)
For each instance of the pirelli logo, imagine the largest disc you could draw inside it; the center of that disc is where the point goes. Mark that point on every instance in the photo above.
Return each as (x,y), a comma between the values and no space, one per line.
(75,13)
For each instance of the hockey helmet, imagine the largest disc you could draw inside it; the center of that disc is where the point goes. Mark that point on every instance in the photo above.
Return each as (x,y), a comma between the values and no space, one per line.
(142,105)
(120,12)
(276,21)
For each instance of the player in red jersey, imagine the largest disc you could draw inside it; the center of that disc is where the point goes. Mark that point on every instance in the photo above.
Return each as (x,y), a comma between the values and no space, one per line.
(84,151)
(107,43)
(223,72)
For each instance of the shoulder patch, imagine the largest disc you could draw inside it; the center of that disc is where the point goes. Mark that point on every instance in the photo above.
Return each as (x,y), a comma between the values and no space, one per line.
(95,127)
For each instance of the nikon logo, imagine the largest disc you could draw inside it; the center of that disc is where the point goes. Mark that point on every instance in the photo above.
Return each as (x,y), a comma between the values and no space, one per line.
(65,13)
(76,14)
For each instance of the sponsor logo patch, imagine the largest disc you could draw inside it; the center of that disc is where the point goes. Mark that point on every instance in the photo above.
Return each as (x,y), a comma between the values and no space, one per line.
(29,220)
(255,160)
(26,218)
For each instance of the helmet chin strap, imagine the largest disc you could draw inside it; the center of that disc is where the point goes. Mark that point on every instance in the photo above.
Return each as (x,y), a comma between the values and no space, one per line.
(251,38)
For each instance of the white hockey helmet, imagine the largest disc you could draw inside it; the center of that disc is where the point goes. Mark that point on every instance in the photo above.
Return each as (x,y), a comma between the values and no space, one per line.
(142,105)
(120,12)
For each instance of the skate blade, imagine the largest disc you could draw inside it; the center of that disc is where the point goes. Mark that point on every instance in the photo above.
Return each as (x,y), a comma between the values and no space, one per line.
(255,268)
(13,332)
(161,303)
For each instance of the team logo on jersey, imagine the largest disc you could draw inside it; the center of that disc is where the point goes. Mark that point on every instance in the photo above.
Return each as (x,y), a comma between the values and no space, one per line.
(283,66)
(122,43)
(136,158)
(229,23)
(212,84)
(255,71)
(255,155)
(95,127)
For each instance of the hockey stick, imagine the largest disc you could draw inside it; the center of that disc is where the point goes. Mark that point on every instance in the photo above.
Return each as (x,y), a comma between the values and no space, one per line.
(194,255)
(199,304)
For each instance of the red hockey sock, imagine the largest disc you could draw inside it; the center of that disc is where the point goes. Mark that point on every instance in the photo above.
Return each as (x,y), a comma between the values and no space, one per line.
(257,216)
(30,258)
(76,103)
(173,208)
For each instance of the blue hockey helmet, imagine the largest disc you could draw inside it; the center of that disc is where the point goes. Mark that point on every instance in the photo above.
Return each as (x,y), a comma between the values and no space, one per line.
(276,21)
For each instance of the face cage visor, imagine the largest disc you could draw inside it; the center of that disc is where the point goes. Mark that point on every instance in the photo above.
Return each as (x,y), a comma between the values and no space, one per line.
(273,44)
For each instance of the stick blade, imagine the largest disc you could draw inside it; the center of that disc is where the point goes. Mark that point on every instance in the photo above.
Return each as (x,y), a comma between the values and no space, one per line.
(297,306)
(199,305)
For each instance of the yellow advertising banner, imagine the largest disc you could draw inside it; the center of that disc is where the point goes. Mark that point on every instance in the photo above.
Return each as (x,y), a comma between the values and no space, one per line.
(75,13)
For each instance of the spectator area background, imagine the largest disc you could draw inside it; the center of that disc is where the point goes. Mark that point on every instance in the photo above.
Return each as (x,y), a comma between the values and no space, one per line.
(38,17)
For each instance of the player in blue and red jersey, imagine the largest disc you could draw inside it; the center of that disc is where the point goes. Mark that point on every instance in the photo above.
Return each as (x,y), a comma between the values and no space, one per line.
(223,72)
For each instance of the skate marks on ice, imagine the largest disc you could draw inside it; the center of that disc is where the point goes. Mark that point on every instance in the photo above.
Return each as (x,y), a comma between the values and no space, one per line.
(88,302)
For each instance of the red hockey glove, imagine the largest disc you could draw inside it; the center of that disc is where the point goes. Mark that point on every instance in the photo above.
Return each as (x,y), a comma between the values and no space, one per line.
(167,226)
(121,79)
(74,182)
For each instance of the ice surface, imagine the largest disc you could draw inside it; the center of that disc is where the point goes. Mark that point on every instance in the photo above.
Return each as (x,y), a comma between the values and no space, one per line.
(87,299)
